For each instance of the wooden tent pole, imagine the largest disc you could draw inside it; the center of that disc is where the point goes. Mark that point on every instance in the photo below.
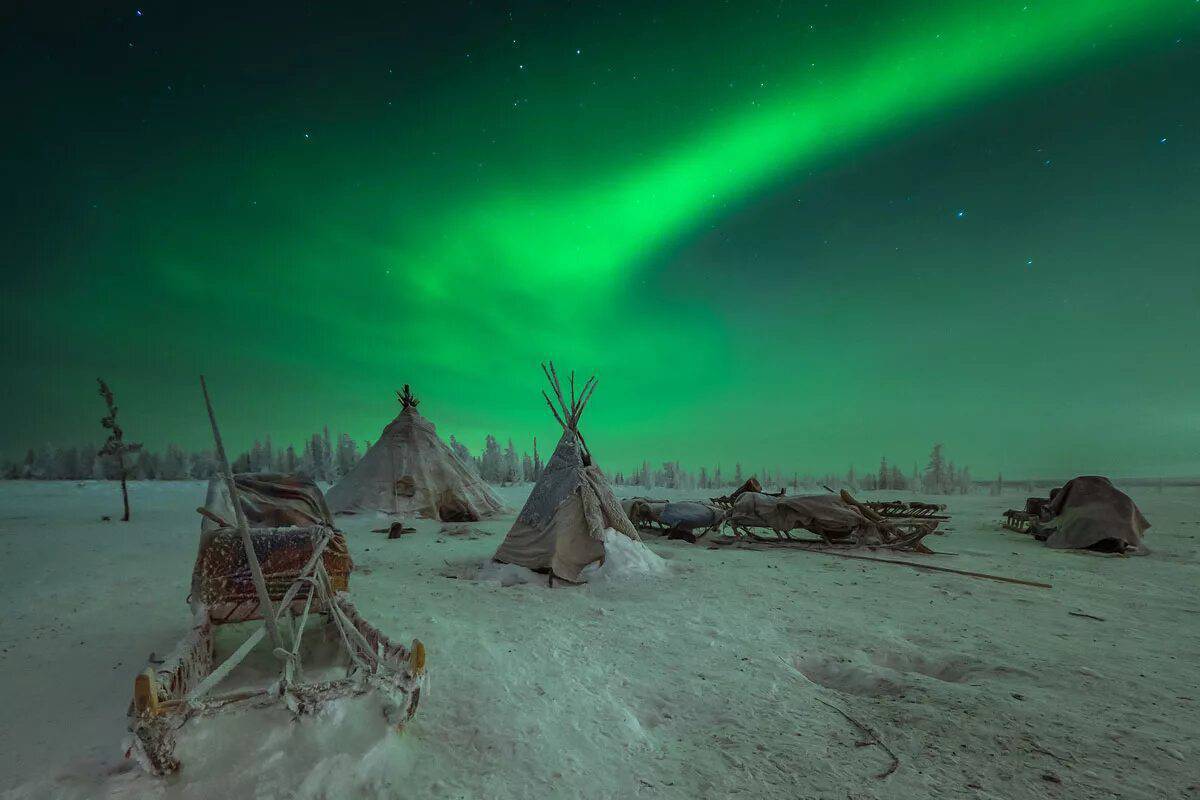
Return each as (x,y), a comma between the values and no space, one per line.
(260,584)
(554,411)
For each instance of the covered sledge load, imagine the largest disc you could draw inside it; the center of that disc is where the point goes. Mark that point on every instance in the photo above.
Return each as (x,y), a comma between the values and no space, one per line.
(561,527)
(288,518)
(1090,513)
(838,519)
(680,519)
(412,471)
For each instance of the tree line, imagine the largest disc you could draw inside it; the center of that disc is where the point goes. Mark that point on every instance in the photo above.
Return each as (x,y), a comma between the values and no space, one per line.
(323,457)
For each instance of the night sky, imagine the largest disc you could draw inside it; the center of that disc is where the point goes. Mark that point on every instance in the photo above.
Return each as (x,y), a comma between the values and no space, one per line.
(794,234)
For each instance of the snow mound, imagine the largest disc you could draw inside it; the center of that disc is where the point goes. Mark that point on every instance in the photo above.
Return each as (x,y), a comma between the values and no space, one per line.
(624,559)
(507,574)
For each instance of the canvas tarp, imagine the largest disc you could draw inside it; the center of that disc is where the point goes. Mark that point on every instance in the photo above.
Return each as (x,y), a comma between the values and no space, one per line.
(412,471)
(288,517)
(268,501)
(824,514)
(561,526)
(1090,512)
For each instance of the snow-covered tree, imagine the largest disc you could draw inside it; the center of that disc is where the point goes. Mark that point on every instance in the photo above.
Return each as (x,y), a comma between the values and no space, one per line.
(512,464)
(934,479)
(491,463)
(116,447)
(347,454)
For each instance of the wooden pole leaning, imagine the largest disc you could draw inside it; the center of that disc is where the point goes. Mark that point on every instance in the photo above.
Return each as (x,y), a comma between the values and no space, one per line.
(260,584)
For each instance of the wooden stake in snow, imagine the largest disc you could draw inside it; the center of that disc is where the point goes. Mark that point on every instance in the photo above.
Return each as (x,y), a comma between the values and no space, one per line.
(260,585)
(116,444)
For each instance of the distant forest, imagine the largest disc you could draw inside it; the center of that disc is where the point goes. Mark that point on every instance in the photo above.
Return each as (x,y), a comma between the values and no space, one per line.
(325,458)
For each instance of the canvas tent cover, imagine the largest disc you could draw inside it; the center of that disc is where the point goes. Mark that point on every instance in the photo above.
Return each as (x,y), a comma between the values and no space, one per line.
(288,517)
(1089,511)
(411,471)
(561,527)
(823,514)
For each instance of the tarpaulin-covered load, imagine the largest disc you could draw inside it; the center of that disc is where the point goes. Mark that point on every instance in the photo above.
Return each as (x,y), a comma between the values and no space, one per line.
(561,526)
(682,518)
(1089,512)
(409,470)
(826,515)
(288,517)
(643,510)
(268,501)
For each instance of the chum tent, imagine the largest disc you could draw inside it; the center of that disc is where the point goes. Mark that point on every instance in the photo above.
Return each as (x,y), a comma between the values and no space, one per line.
(561,527)
(409,470)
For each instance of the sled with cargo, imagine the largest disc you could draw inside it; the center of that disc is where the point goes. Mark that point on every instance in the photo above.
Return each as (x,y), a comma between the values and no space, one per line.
(270,622)
(838,520)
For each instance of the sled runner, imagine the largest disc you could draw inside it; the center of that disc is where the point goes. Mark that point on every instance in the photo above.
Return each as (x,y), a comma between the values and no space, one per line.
(288,577)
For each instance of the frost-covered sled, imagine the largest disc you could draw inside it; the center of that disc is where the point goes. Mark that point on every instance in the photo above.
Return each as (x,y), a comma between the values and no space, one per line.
(899,509)
(838,520)
(289,578)
(686,519)
(1022,521)
(751,485)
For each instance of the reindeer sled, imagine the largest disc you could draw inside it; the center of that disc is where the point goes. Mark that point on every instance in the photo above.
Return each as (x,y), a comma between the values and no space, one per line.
(287,572)
(838,521)
(751,484)
(681,519)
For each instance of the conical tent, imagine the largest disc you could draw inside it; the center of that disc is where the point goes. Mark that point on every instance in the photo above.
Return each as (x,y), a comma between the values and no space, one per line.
(561,527)
(412,471)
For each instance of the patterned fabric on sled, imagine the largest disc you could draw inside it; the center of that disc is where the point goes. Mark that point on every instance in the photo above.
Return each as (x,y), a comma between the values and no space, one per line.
(288,518)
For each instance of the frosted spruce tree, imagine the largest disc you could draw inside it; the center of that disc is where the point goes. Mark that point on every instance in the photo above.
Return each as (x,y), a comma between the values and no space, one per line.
(116,447)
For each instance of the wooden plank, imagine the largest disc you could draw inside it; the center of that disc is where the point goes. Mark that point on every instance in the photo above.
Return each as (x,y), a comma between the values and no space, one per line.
(145,693)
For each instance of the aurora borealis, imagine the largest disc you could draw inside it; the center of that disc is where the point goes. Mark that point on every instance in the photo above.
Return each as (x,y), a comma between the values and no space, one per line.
(793,234)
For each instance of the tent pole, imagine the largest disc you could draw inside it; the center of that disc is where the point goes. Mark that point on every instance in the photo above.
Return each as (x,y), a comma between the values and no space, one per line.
(260,584)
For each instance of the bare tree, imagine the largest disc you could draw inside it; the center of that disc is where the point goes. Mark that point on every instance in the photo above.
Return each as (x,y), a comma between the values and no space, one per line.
(116,444)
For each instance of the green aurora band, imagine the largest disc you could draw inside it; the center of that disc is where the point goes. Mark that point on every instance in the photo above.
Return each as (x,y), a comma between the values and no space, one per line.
(460,280)
(560,246)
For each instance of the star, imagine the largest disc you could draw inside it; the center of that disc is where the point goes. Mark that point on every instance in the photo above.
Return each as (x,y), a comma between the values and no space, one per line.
(138,12)
(960,213)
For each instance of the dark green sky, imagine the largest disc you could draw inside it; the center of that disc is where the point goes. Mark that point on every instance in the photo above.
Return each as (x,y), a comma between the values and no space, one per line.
(795,234)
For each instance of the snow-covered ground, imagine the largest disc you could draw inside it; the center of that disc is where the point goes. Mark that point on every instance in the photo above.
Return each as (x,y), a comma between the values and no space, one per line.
(700,682)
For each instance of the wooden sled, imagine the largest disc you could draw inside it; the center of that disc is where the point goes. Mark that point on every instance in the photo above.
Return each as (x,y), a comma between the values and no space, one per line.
(896,533)
(1019,521)
(306,567)
(183,685)
(913,509)
(751,485)
(1023,521)
(907,536)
